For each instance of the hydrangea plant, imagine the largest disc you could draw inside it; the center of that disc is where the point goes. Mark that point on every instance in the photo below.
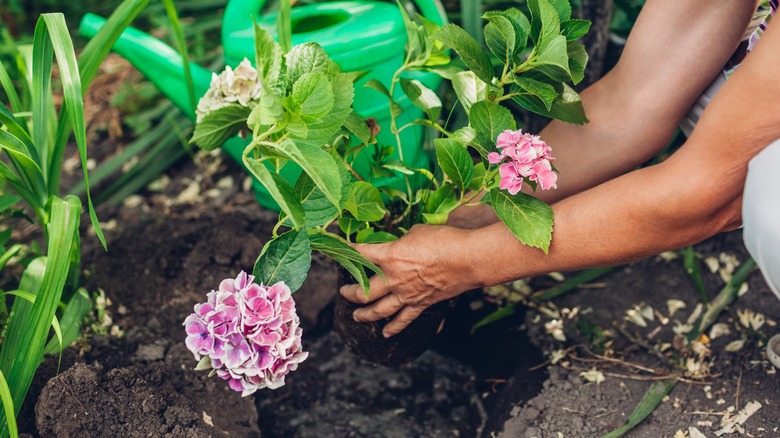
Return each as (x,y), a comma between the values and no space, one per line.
(296,107)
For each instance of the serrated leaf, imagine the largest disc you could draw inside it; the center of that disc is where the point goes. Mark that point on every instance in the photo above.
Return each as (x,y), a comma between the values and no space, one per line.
(553,58)
(469,89)
(422,97)
(563,8)
(219,126)
(268,56)
(365,202)
(545,21)
(318,164)
(377,237)
(500,36)
(441,201)
(490,119)
(312,93)
(269,110)
(454,161)
(349,225)
(578,59)
(465,135)
(470,51)
(478,178)
(529,219)
(575,29)
(321,131)
(545,92)
(566,107)
(309,58)
(286,258)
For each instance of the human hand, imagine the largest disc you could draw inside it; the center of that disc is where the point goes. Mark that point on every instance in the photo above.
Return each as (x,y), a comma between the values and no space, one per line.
(431,263)
(471,217)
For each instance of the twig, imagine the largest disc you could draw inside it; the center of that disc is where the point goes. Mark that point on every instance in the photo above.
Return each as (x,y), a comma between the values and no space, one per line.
(547,362)
(482,414)
(739,382)
(640,342)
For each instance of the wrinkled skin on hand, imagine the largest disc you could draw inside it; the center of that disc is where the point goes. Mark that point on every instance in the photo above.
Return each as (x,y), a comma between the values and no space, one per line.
(429,264)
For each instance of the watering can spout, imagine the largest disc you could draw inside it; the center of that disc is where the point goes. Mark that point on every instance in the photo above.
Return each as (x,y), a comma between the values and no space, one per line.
(157,61)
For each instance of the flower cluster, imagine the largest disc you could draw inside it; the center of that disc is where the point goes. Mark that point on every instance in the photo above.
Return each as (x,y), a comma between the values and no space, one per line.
(247,333)
(240,86)
(524,156)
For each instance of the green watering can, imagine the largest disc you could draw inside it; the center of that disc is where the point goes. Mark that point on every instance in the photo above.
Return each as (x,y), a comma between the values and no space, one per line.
(364,36)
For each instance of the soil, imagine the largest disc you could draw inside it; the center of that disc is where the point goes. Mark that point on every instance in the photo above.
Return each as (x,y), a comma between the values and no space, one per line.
(170,245)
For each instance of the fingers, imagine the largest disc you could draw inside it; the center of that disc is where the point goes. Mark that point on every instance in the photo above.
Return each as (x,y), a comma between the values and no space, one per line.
(402,320)
(381,309)
(378,288)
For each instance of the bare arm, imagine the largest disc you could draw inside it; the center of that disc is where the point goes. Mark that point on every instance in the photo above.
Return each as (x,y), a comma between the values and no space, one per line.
(689,197)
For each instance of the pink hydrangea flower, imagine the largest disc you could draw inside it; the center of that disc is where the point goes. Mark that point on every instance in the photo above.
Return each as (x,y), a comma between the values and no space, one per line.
(523,157)
(249,334)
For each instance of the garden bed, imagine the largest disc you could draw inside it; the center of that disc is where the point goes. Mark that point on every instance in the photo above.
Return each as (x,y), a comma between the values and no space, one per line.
(171,247)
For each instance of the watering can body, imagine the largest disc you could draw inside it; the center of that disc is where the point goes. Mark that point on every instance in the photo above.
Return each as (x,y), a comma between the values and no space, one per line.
(363,36)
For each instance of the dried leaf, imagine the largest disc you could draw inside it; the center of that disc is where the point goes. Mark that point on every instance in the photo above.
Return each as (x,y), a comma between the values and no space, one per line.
(593,375)
(695,433)
(719,329)
(735,346)
(674,305)
(733,423)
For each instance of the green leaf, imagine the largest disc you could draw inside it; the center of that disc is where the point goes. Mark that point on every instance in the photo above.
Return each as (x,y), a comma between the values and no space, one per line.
(578,58)
(545,21)
(268,56)
(317,208)
(277,187)
(497,315)
(650,400)
(575,29)
(24,344)
(318,164)
(8,407)
(284,24)
(285,258)
(395,108)
(349,225)
(470,51)
(309,58)
(344,255)
(10,91)
(553,58)
(376,237)
(441,201)
(73,101)
(313,95)
(563,8)
(490,119)
(454,161)
(365,202)
(70,323)
(566,107)
(422,97)
(478,178)
(269,110)
(357,125)
(545,92)
(529,219)
(469,89)
(321,131)
(501,36)
(173,19)
(218,126)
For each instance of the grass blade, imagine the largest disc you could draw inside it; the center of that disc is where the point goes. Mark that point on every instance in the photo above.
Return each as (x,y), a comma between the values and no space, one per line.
(8,406)
(571,283)
(41,90)
(63,235)
(10,91)
(497,315)
(173,17)
(98,47)
(284,25)
(692,268)
(726,296)
(70,322)
(652,398)
(71,87)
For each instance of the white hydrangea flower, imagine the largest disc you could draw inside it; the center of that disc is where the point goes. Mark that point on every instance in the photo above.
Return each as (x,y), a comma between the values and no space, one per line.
(240,86)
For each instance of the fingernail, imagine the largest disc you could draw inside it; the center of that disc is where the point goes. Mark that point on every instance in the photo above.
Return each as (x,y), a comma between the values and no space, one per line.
(386,334)
(355,316)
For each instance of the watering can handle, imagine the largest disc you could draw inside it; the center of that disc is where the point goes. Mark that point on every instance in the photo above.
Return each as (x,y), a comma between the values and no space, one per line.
(240,13)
